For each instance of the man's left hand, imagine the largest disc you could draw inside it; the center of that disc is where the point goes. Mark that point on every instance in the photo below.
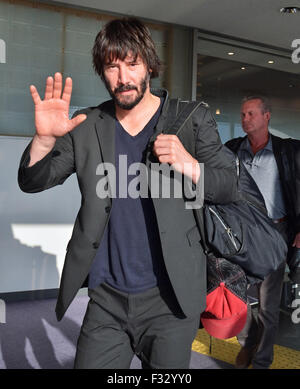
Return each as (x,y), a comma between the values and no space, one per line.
(169,149)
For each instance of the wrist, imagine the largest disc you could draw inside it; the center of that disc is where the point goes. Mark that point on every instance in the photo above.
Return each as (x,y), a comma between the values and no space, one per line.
(40,146)
(196,171)
(44,141)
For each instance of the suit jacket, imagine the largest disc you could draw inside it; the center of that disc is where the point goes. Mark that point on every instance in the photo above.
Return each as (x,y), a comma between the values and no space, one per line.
(93,142)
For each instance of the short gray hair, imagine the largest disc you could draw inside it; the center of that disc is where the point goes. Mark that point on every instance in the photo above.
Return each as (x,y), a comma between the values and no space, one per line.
(265,102)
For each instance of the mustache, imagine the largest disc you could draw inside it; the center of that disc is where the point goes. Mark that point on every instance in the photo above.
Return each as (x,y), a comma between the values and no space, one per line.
(124,88)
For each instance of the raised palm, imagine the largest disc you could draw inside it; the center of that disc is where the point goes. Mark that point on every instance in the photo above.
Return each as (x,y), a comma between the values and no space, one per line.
(52,113)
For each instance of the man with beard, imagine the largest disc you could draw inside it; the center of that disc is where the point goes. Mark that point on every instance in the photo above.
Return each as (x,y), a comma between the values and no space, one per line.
(141,257)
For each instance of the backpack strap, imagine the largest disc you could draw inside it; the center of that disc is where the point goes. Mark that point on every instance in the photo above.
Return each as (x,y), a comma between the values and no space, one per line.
(198,213)
(246,196)
(175,122)
(251,200)
(172,113)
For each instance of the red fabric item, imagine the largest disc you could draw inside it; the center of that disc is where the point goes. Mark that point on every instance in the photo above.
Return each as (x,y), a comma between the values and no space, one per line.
(225,314)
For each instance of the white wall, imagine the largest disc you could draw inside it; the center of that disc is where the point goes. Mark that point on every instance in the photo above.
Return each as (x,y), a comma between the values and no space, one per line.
(34,228)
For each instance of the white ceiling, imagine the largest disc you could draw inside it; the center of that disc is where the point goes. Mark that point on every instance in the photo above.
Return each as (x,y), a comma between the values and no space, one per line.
(254,20)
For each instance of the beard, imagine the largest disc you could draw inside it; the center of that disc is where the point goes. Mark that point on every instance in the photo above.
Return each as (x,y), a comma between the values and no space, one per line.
(126,102)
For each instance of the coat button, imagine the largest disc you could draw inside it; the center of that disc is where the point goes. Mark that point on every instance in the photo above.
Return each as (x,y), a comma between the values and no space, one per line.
(107,209)
(95,245)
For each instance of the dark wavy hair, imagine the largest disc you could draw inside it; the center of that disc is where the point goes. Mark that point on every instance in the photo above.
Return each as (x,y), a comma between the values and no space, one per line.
(121,36)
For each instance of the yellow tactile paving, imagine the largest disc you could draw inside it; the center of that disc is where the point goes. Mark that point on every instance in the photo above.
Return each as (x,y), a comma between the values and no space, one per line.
(227,350)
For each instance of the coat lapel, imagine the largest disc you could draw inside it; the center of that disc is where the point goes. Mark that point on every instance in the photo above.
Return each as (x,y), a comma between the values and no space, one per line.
(105,129)
(277,151)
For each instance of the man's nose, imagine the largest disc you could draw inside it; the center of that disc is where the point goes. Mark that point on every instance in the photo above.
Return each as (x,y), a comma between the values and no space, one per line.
(123,75)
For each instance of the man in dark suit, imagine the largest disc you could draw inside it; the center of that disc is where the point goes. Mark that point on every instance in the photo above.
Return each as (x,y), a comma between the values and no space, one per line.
(142,256)
(274,163)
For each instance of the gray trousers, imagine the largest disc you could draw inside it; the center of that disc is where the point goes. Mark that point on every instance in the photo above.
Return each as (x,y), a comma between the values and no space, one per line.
(118,325)
(260,332)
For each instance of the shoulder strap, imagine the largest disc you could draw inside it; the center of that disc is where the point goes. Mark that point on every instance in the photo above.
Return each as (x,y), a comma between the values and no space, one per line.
(234,144)
(175,121)
(199,217)
(172,113)
(251,200)
(173,126)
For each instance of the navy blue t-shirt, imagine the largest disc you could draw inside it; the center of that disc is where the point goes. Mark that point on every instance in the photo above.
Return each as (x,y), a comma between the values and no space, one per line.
(129,257)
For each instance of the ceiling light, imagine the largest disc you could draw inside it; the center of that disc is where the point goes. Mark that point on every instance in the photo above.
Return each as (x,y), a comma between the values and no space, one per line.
(230,53)
(270,61)
(243,68)
(218,111)
(289,10)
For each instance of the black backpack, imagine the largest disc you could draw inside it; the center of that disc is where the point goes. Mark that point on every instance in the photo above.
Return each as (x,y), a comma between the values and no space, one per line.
(240,231)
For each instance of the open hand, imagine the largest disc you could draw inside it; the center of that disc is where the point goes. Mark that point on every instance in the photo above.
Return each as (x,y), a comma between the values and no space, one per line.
(52,113)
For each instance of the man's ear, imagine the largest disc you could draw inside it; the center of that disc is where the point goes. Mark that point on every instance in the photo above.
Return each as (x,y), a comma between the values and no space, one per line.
(268,116)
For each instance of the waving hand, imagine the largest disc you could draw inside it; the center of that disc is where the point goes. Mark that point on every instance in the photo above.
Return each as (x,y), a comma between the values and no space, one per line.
(51,116)
(52,113)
